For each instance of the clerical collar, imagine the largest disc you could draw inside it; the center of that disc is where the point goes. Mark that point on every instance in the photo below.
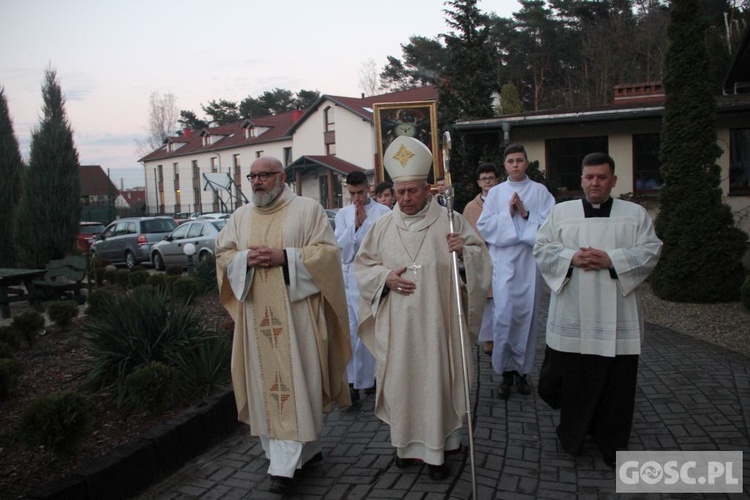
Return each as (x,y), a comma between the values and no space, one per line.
(598,210)
(410,220)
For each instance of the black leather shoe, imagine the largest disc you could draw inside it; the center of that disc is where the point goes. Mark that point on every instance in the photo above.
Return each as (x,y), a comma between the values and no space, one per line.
(523,385)
(403,463)
(505,386)
(314,461)
(281,485)
(354,394)
(438,472)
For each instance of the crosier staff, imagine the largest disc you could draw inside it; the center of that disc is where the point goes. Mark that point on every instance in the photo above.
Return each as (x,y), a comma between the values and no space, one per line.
(457,291)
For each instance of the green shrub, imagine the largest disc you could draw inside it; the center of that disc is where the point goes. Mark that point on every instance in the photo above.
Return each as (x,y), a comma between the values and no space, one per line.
(205,367)
(62,312)
(97,269)
(99,302)
(29,323)
(186,288)
(60,420)
(6,351)
(138,278)
(122,278)
(174,270)
(170,280)
(205,272)
(151,387)
(110,274)
(10,371)
(138,268)
(157,280)
(11,336)
(141,326)
(745,293)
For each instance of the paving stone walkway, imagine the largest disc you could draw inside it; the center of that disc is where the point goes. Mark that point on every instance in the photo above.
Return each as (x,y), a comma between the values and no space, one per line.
(691,396)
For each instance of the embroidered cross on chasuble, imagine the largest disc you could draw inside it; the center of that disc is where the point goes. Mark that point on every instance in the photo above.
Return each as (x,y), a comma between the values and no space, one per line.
(272,325)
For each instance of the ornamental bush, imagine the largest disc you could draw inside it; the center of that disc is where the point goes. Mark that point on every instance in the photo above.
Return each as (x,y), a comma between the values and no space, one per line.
(29,323)
(10,371)
(99,301)
(205,272)
(151,387)
(186,288)
(6,351)
(138,278)
(141,326)
(60,420)
(174,270)
(157,280)
(11,337)
(62,312)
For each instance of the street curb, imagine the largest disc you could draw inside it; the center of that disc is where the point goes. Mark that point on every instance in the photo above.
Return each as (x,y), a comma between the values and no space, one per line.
(131,468)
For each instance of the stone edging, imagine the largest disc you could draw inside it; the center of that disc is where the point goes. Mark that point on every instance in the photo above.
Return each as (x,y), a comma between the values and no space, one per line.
(131,468)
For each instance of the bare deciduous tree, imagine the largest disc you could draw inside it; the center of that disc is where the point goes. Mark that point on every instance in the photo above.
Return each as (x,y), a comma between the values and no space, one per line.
(369,79)
(162,122)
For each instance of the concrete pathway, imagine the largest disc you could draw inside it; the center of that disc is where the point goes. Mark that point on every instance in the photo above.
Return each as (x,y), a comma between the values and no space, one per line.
(691,396)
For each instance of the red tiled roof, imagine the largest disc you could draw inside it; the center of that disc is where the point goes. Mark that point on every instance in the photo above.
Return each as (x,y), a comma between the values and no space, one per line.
(331,162)
(134,197)
(94,181)
(234,136)
(362,106)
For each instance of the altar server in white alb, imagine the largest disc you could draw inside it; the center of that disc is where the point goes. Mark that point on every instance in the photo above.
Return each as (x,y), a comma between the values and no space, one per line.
(593,254)
(409,311)
(511,216)
(352,223)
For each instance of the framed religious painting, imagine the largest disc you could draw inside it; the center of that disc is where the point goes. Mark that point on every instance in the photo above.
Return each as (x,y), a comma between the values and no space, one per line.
(416,119)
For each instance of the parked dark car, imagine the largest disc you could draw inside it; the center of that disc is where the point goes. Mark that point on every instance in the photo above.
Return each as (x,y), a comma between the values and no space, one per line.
(129,240)
(201,233)
(86,234)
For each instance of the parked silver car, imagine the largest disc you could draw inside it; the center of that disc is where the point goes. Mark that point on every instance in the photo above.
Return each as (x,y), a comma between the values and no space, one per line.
(129,239)
(201,233)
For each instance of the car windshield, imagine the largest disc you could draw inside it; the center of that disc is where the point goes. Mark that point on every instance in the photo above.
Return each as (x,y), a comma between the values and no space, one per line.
(158,225)
(92,229)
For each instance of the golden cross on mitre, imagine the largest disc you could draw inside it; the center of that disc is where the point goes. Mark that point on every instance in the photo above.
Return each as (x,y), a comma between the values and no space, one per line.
(403,155)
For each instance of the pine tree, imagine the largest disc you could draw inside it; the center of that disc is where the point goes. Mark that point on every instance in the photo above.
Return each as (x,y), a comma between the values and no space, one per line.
(49,212)
(701,257)
(11,166)
(466,89)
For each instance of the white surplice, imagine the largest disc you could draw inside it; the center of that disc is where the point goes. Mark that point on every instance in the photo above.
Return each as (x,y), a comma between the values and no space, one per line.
(516,284)
(361,368)
(611,307)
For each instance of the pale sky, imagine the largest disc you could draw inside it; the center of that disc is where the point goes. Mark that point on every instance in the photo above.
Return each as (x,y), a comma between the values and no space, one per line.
(111,55)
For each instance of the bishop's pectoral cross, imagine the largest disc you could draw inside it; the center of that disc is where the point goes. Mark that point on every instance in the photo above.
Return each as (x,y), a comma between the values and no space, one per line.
(415,267)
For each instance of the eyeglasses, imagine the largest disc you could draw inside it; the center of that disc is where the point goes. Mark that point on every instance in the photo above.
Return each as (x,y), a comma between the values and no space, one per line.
(487,179)
(262,176)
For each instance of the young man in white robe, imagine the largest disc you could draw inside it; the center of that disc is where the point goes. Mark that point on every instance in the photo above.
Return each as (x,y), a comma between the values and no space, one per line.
(511,216)
(279,275)
(593,254)
(487,178)
(409,312)
(352,223)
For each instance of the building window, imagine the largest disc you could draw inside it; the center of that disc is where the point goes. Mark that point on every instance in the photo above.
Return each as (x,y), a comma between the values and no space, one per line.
(331,149)
(258,154)
(564,157)
(330,122)
(196,171)
(739,161)
(213,165)
(646,163)
(287,156)
(236,163)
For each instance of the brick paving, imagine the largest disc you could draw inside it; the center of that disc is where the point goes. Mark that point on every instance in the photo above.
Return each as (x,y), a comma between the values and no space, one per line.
(691,396)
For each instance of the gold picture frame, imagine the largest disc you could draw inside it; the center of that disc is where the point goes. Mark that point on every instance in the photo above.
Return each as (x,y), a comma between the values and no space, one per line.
(416,119)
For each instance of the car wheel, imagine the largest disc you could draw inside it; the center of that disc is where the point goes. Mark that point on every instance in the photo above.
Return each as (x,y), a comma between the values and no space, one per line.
(130,259)
(158,261)
(204,256)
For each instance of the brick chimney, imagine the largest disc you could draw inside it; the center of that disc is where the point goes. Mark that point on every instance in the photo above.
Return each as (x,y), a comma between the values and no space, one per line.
(639,93)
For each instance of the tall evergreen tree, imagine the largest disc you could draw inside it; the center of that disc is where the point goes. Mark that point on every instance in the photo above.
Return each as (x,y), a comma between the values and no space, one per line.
(701,257)
(466,89)
(49,212)
(11,167)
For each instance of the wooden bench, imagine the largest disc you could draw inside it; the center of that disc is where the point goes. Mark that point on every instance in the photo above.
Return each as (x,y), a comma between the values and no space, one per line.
(63,279)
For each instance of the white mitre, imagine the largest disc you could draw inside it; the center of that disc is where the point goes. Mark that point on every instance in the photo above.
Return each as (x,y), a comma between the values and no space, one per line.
(407,159)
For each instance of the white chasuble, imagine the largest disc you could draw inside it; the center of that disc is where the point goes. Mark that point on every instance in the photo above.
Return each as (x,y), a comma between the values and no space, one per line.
(291,341)
(612,307)
(415,338)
